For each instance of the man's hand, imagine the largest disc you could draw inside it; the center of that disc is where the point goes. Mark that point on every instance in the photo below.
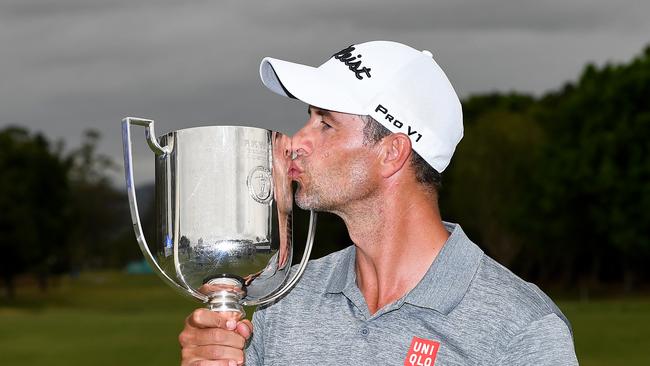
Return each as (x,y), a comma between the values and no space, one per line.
(213,338)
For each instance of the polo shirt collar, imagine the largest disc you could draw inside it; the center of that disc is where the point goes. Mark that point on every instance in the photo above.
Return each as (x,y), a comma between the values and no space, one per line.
(343,274)
(444,284)
(448,279)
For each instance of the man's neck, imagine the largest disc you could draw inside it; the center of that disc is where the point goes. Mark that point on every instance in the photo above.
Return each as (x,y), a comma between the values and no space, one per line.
(396,241)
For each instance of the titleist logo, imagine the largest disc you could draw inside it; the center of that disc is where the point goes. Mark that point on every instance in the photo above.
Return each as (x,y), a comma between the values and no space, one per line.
(352,62)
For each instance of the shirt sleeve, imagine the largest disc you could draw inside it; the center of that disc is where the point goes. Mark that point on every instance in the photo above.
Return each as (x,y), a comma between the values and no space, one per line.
(255,349)
(547,341)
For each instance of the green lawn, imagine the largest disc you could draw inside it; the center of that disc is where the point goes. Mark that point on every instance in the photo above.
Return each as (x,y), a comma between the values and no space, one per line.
(116,319)
(98,319)
(610,332)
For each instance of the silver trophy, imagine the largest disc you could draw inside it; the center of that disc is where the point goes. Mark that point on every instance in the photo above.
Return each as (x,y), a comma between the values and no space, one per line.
(224,204)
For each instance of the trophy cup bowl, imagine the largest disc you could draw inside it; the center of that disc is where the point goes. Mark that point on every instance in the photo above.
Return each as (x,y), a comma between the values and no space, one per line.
(224,204)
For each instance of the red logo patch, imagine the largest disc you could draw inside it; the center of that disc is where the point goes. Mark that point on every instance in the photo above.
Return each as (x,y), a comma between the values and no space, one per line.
(422,352)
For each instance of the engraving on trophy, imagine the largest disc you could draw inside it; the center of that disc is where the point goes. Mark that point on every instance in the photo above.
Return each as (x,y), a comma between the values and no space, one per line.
(260,184)
(256,149)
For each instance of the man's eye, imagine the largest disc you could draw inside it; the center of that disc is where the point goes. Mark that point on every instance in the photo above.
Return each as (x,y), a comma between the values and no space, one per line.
(324,125)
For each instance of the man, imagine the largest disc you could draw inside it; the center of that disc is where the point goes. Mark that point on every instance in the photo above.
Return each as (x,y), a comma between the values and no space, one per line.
(383,124)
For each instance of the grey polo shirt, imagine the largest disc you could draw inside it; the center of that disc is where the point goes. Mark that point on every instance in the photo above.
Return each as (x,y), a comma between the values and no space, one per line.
(466,310)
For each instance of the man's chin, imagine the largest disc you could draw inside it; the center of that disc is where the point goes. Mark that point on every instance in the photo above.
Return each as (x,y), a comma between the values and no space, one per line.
(304,201)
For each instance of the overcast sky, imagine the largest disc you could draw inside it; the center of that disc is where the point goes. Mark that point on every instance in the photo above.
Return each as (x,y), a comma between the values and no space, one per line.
(69,65)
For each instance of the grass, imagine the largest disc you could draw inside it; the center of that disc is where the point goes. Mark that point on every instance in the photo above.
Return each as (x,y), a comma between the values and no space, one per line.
(117,319)
(97,319)
(610,332)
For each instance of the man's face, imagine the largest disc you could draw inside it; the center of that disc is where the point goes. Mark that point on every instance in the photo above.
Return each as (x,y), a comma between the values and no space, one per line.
(332,167)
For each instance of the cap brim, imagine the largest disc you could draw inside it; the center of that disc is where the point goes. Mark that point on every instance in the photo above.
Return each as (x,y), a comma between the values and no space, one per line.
(309,85)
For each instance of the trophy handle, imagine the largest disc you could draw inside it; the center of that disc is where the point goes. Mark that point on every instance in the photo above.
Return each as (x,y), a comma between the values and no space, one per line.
(130,187)
(301,266)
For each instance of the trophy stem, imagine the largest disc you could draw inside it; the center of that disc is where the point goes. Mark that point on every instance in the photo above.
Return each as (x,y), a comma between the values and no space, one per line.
(226,300)
(225,296)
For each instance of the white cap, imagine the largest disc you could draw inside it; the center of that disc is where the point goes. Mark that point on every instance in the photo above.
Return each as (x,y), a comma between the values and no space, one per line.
(402,88)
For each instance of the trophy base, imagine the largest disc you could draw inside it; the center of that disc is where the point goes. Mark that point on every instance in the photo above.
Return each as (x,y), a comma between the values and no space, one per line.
(225,295)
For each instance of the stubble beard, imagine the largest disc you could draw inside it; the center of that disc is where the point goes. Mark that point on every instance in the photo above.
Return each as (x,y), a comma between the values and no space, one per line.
(333,190)
(311,198)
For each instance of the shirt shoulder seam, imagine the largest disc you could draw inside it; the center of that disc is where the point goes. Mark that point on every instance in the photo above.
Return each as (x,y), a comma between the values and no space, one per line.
(523,329)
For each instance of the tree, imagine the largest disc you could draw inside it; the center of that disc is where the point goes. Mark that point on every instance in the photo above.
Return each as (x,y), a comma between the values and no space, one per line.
(488,183)
(100,211)
(599,169)
(34,209)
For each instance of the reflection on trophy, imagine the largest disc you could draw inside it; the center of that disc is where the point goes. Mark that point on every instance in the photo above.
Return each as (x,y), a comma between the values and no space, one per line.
(224,204)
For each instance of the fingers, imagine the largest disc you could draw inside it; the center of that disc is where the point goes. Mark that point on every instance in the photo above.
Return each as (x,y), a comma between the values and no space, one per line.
(210,363)
(204,318)
(191,337)
(213,338)
(210,355)
(245,328)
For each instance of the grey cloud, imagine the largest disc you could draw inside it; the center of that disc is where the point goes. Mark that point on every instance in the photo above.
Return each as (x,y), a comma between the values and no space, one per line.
(67,65)
(39,8)
(461,15)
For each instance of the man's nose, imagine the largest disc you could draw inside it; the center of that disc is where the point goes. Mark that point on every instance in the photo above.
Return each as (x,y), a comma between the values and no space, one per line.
(301,143)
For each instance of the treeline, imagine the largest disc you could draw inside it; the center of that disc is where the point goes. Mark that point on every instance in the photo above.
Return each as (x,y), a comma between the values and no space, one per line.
(555,187)
(558,187)
(59,212)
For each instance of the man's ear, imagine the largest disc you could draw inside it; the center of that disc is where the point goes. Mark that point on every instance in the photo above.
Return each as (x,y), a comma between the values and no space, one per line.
(395,151)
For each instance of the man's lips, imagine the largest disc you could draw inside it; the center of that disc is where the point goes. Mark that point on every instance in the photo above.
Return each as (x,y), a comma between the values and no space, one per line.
(294,170)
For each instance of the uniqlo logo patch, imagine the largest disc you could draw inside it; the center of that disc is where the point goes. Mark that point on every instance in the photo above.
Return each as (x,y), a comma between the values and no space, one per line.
(422,352)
